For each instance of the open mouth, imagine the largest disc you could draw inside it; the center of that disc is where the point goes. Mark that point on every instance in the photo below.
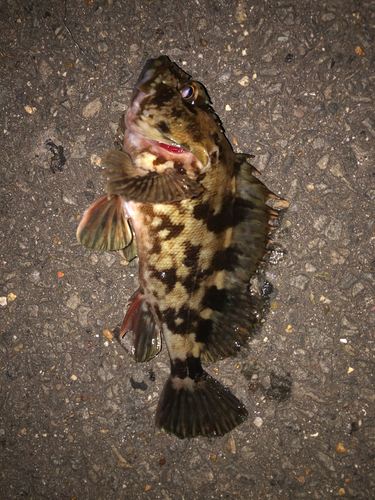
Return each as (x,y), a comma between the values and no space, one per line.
(172,148)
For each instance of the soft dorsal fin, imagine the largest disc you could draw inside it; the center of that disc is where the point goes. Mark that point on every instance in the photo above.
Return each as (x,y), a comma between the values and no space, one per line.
(125,180)
(232,326)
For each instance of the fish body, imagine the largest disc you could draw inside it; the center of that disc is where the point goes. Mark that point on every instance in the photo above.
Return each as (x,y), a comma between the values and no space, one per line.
(190,208)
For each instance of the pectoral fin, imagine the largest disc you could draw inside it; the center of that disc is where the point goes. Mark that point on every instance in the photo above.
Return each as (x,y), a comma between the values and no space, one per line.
(104,225)
(125,180)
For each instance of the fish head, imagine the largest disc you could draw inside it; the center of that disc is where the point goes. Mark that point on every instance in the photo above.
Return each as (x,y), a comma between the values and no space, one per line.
(171,117)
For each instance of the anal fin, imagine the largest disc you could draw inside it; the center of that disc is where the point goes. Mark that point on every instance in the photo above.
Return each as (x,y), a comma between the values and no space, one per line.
(146,340)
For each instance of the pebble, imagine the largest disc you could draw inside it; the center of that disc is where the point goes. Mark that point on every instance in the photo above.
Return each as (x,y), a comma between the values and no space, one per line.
(35,276)
(73,301)
(333,231)
(66,104)
(224,77)
(323,275)
(45,71)
(241,15)
(320,222)
(108,334)
(357,288)
(310,268)
(68,199)
(340,448)
(258,421)
(339,258)
(244,81)
(347,282)
(349,349)
(118,107)
(359,51)
(230,445)
(318,143)
(299,282)
(326,461)
(79,150)
(3,301)
(108,259)
(82,316)
(92,109)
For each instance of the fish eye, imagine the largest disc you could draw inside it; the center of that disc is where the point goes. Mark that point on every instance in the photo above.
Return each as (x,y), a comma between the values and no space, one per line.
(187,92)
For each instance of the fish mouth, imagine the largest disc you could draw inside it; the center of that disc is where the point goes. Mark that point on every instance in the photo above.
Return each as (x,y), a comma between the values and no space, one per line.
(172,148)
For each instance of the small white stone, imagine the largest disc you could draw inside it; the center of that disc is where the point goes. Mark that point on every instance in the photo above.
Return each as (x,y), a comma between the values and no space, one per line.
(258,422)
(244,81)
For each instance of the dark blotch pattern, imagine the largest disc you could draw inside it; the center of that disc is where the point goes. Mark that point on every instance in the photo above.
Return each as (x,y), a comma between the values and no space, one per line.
(174,230)
(188,316)
(225,260)
(168,277)
(164,127)
(204,330)
(156,247)
(215,299)
(191,254)
(160,160)
(220,221)
(191,367)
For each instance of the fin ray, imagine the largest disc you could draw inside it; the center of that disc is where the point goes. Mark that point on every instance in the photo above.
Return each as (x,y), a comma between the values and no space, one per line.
(146,340)
(208,409)
(104,225)
(125,180)
(234,325)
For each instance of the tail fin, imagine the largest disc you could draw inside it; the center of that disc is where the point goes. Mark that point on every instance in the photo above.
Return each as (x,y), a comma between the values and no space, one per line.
(189,408)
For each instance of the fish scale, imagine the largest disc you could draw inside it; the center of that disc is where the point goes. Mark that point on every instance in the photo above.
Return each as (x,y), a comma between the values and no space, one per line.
(196,216)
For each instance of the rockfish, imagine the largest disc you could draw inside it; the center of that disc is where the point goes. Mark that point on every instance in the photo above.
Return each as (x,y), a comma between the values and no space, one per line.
(180,198)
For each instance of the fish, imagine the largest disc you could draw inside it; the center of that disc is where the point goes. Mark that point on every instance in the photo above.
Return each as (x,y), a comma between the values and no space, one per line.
(192,210)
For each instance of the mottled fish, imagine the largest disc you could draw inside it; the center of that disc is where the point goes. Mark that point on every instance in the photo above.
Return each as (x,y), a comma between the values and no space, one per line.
(191,209)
